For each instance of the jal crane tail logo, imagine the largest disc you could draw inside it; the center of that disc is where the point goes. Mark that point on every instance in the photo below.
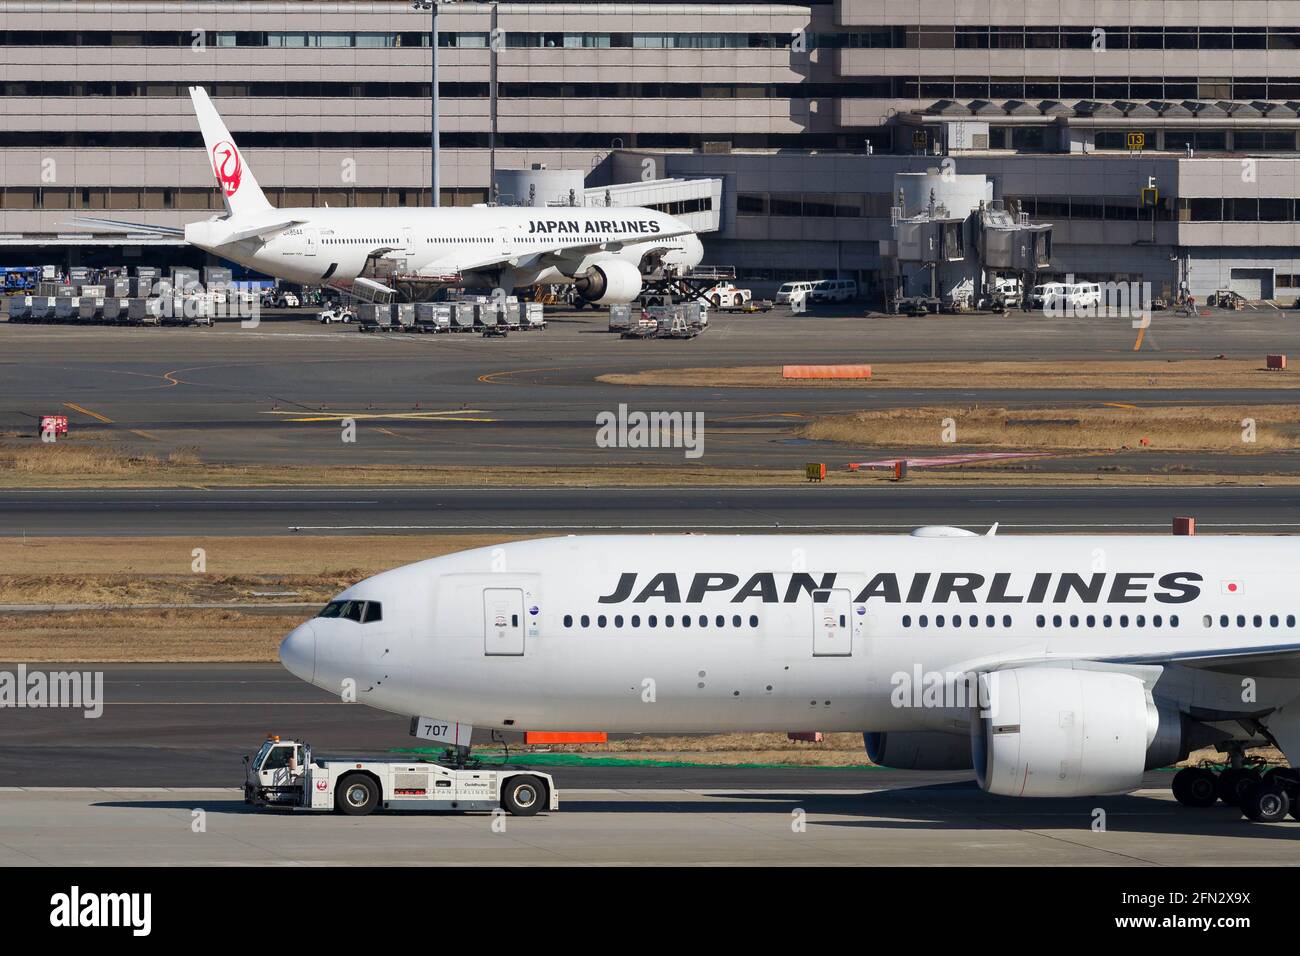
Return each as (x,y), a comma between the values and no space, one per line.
(228,167)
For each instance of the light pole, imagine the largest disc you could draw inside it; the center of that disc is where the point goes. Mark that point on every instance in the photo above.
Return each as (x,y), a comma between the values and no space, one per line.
(435,183)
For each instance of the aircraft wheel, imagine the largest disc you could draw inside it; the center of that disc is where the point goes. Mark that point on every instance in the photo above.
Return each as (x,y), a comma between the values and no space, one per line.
(356,795)
(1233,782)
(523,796)
(1265,803)
(1195,787)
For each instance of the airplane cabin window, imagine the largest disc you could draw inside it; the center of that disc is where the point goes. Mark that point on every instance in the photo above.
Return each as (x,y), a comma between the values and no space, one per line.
(1056,620)
(1090,621)
(586,621)
(1272,620)
(636,620)
(1141,620)
(1208,621)
(720,621)
(686,620)
(1223,620)
(1290,620)
(668,620)
(1156,620)
(618,620)
(374,612)
(753,620)
(652,621)
(922,620)
(1006,620)
(1123,620)
(1040,621)
(1241,620)
(907,620)
(353,611)
(1074,620)
(1173,620)
(735,620)
(600,620)
(704,620)
(938,620)
(568,620)
(956,620)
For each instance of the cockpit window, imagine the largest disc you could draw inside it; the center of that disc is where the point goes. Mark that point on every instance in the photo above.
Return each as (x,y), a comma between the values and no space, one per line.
(359,611)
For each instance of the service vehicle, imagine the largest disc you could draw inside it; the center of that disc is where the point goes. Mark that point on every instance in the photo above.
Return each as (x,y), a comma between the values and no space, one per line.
(336,313)
(286,774)
(834,290)
(725,295)
(784,294)
(1065,295)
(280,299)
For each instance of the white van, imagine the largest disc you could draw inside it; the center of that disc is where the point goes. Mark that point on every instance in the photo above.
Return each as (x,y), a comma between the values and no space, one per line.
(784,293)
(834,290)
(1065,296)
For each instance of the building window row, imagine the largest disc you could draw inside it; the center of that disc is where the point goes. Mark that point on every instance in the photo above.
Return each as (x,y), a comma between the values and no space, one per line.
(297,138)
(449,90)
(152,197)
(1136,88)
(926,37)
(1054,37)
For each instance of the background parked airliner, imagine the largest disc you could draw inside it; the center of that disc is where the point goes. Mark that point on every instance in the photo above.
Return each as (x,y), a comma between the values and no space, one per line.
(604,251)
(1093,658)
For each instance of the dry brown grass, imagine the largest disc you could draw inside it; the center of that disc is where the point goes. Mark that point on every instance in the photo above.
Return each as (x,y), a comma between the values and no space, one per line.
(1108,374)
(124,571)
(1182,428)
(171,635)
(835,750)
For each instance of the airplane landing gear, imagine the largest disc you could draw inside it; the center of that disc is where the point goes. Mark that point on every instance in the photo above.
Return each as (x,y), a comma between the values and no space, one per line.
(1195,787)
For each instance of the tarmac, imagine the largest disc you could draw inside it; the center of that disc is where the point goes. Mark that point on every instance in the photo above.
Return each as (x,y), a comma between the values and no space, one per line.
(881,509)
(909,826)
(277,393)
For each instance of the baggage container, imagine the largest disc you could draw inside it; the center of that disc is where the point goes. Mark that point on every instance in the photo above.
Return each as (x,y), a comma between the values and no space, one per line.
(404,315)
(41,308)
(89,308)
(620,316)
(511,315)
(20,308)
(374,315)
(463,315)
(487,315)
(114,309)
(65,307)
(534,315)
(137,311)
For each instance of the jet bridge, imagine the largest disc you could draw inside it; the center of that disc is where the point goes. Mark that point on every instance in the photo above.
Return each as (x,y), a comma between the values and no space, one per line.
(955,247)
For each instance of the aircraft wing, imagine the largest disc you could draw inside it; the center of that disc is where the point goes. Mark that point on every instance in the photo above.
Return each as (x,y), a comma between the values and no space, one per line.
(118,225)
(267,227)
(562,252)
(1278,660)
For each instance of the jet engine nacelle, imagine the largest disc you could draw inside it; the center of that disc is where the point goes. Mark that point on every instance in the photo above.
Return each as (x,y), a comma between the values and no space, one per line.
(612,280)
(919,750)
(1056,732)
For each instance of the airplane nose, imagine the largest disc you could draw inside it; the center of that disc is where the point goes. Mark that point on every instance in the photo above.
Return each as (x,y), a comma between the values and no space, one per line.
(298,652)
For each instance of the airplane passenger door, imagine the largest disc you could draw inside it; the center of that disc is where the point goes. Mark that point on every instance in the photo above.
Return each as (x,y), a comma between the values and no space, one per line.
(832,623)
(505,241)
(503,621)
(309,243)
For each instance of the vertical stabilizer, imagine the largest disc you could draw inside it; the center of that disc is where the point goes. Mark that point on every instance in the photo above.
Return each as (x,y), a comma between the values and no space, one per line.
(239,187)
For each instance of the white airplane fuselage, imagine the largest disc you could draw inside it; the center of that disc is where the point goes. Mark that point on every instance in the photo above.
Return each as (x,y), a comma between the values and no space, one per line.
(331,244)
(722,633)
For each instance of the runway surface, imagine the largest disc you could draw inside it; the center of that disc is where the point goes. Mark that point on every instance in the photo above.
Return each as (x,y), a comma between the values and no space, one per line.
(878,509)
(123,788)
(277,393)
(909,826)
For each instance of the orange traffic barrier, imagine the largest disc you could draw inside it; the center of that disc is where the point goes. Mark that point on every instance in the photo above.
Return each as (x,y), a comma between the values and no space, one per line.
(826,371)
(564,737)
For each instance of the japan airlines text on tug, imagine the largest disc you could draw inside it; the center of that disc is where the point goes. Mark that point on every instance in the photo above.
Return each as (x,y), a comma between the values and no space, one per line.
(603,251)
(1053,665)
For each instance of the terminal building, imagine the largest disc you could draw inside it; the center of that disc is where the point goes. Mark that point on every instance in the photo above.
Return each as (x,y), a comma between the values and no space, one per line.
(1158,138)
